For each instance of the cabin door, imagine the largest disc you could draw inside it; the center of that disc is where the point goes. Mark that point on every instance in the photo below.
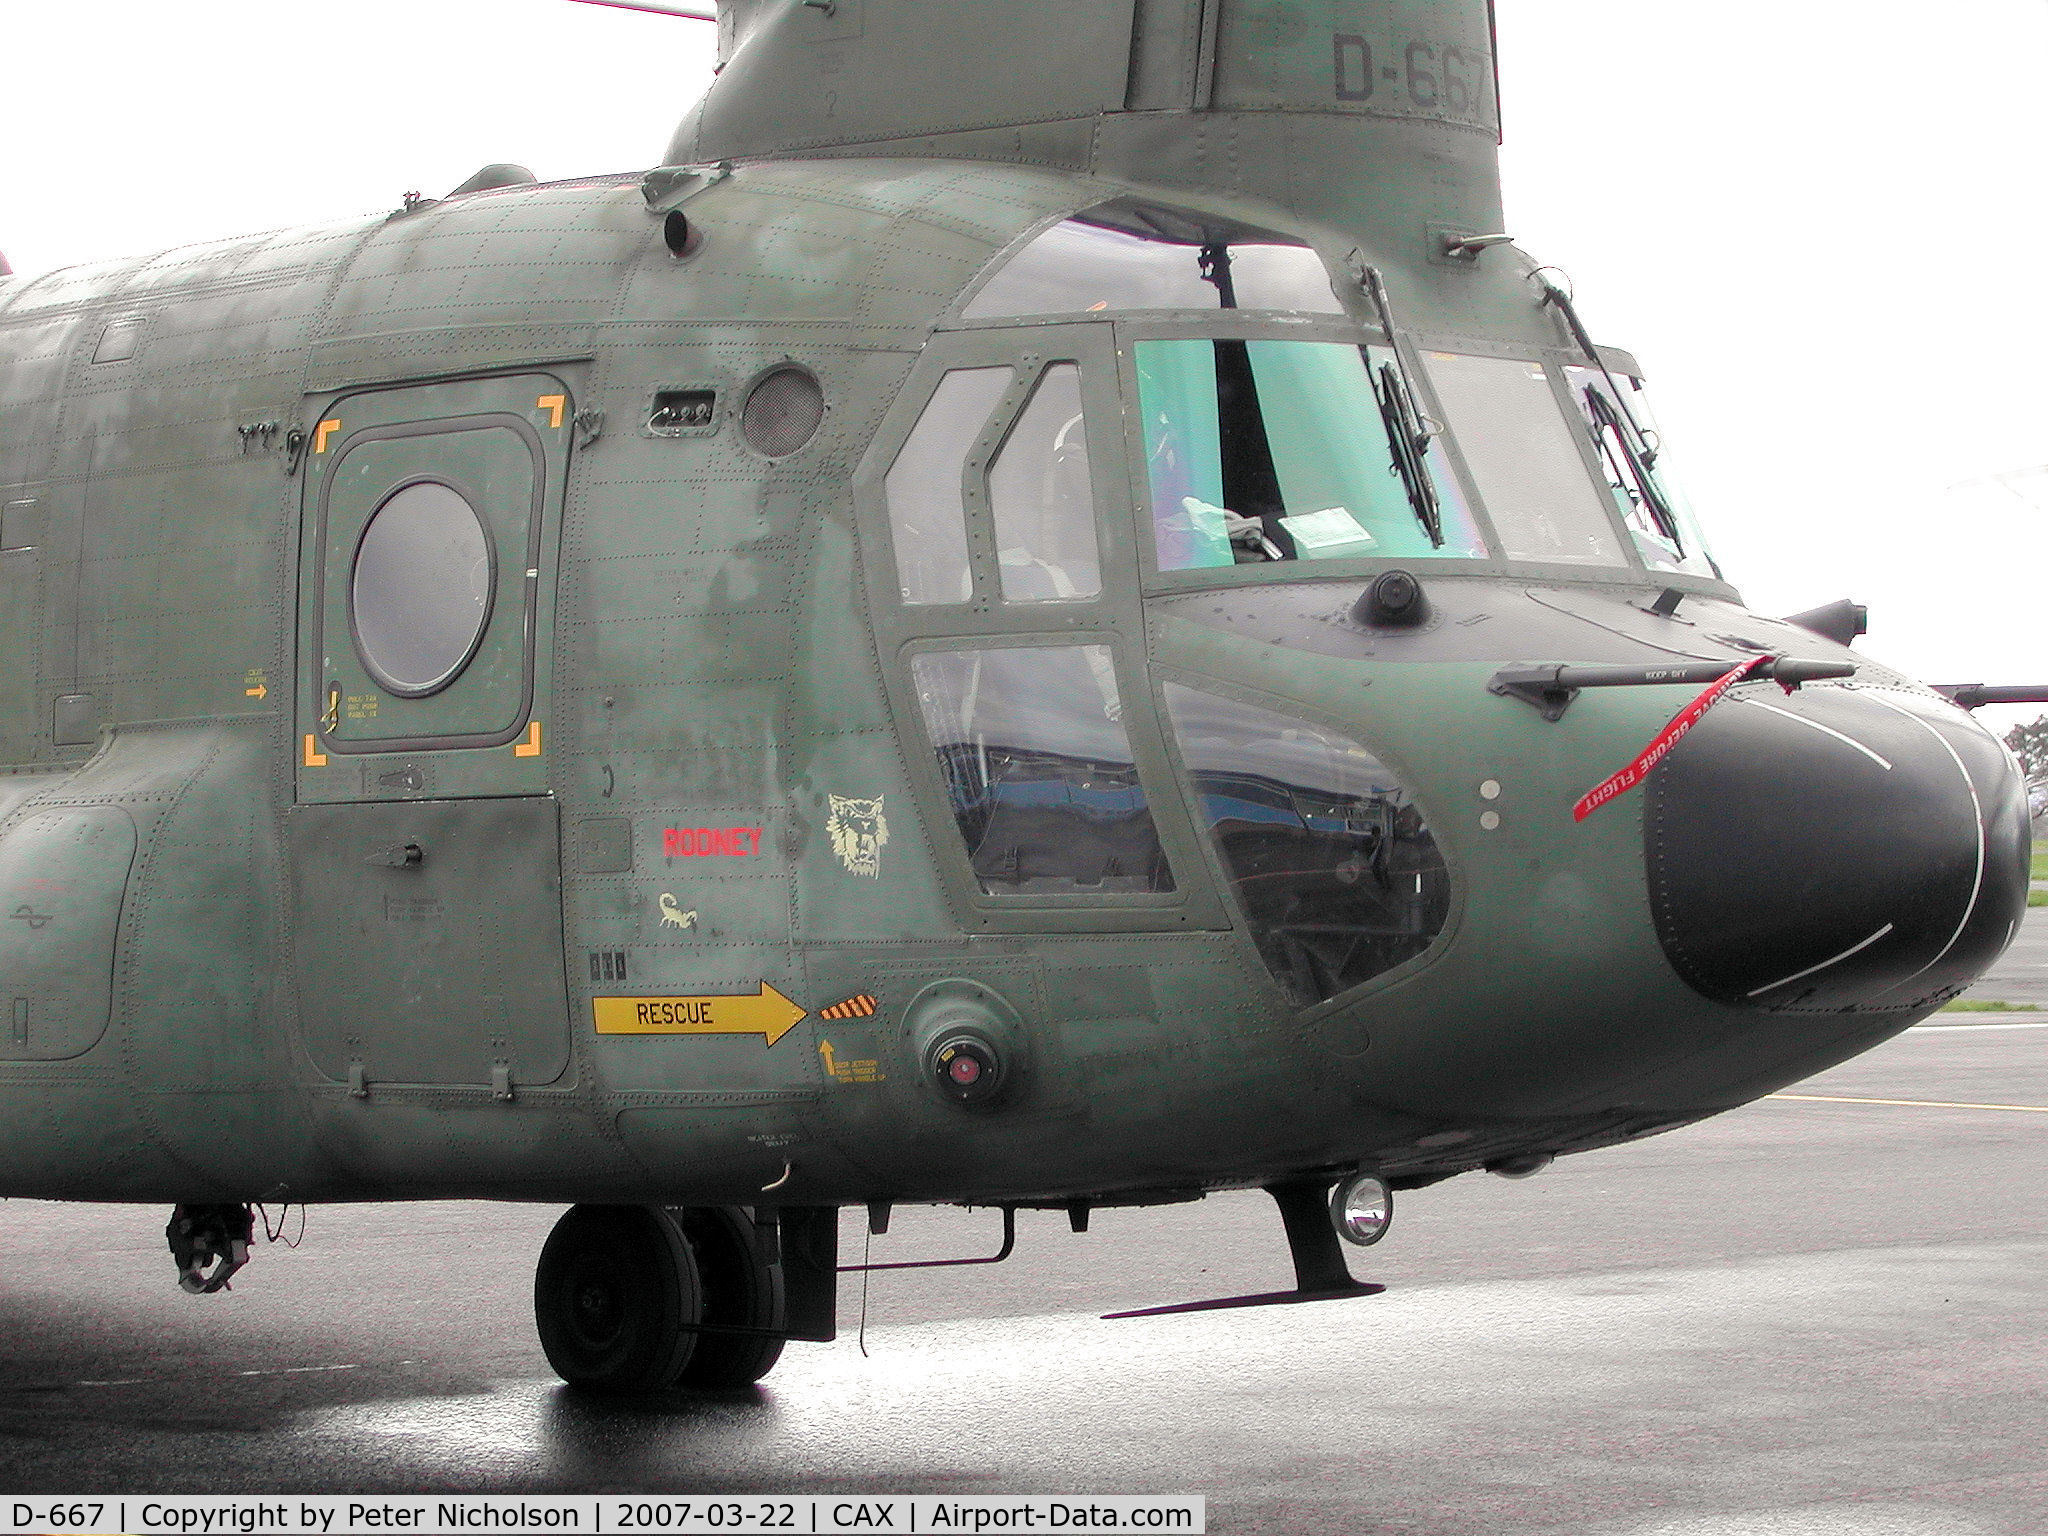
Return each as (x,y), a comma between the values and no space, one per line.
(425,843)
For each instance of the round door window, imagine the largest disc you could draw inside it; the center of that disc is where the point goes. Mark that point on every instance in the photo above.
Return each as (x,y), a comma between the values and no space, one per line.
(420,594)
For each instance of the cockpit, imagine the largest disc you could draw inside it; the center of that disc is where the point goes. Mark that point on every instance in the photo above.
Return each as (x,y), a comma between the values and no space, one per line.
(1269,434)
(1144,401)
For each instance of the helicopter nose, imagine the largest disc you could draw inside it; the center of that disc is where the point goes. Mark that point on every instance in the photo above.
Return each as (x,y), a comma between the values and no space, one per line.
(1835,850)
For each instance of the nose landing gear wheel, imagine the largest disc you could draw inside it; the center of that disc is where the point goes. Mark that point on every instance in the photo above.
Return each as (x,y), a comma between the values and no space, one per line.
(615,1287)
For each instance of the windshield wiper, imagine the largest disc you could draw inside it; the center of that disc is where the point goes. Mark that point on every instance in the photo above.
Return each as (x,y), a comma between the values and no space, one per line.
(1562,302)
(1612,410)
(1637,459)
(1408,433)
(1213,261)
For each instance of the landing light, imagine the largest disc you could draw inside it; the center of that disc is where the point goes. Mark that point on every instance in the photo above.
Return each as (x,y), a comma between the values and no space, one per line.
(1362,1208)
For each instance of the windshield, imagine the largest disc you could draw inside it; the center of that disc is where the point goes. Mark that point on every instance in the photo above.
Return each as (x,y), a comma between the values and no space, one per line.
(1631,452)
(1525,459)
(1264,451)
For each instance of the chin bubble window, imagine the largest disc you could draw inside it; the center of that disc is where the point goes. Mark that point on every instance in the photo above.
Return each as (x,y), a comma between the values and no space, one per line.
(1038,770)
(1268,451)
(1331,863)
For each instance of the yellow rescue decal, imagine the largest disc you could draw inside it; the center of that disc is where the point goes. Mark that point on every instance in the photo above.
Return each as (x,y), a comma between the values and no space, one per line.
(315,758)
(764,1012)
(321,433)
(553,405)
(531,746)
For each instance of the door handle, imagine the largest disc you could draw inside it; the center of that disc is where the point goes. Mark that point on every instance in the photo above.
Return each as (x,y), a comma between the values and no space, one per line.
(330,717)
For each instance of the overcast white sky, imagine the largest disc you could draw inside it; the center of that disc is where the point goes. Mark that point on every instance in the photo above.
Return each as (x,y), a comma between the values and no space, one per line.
(1816,221)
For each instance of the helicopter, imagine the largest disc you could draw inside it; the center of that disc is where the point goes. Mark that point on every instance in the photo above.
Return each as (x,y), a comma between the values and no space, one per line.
(1048,614)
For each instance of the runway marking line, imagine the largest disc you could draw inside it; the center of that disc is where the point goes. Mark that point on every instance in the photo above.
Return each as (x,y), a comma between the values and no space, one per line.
(287,1370)
(1818,1098)
(299,1370)
(1951,1028)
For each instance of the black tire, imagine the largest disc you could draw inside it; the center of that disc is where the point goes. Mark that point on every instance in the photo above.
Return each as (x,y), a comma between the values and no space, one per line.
(741,1289)
(614,1288)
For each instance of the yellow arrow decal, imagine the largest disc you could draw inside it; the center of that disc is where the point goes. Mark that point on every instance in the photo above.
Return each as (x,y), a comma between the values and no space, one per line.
(260,691)
(763,1012)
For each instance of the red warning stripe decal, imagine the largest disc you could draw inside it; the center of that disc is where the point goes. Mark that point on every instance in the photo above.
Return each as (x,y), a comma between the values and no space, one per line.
(859,1006)
(1667,738)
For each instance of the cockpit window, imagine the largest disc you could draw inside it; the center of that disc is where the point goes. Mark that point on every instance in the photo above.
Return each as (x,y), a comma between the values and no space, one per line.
(1043,501)
(927,516)
(1039,770)
(1631,452)
(1126,256)
(1332,864)
(1525,460)
(1286,450)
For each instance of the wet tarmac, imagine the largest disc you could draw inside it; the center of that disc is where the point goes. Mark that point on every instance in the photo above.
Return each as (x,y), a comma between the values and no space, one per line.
(1817,1316)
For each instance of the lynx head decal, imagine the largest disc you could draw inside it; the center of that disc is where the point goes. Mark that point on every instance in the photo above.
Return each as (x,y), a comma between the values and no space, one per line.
(858,833)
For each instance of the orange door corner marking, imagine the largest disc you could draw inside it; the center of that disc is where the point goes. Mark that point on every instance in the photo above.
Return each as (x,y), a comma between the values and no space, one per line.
(314,757)
(553,405)
(321,434)
(531,746)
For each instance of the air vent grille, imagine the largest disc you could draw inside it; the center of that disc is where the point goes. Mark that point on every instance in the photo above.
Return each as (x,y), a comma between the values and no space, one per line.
(782,413)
